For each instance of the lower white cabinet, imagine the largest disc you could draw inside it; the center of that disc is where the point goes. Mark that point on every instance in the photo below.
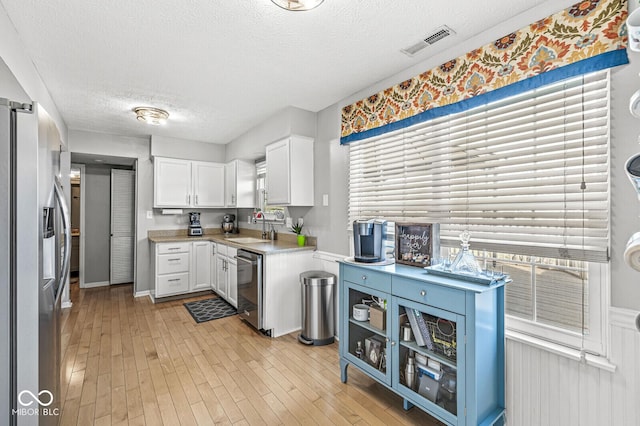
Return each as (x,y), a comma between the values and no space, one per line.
(226,282)
(181,268)
(201,267)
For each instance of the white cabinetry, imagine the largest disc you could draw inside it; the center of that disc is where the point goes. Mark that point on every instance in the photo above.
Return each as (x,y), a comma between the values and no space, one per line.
(184,183)
(240,184)
(290,172)
(181,268)
(226,274)
(207,184)
(171,268)
(201,268)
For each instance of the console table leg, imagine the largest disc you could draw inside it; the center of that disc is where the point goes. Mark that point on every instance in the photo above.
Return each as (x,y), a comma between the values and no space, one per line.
(343,370)
(406,405)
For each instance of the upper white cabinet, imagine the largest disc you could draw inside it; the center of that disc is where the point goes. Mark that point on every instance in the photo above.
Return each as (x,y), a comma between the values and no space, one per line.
(290,172)
(171,182)
(207,184)
(240,184)
(184,183)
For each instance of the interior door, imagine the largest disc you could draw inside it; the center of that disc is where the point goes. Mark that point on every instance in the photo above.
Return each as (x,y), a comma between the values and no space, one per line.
(122,226)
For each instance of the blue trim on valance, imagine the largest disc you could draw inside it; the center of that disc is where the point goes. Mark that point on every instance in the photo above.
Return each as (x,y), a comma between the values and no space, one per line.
(585,66)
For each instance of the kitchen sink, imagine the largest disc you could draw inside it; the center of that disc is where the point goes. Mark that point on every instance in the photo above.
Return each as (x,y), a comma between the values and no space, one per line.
(246,240)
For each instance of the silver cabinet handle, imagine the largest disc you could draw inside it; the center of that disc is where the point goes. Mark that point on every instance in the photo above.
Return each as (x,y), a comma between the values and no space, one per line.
(364,278)
(174,280)
(173,260)
(196,199)
(423,293)
(173,248)
(393,343)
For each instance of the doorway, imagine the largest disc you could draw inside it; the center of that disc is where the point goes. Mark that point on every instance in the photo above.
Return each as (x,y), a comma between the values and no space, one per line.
(106,211)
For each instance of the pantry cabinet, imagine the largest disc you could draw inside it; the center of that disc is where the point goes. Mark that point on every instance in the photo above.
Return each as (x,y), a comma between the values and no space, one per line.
(289,180)
(183,183)
(460,360)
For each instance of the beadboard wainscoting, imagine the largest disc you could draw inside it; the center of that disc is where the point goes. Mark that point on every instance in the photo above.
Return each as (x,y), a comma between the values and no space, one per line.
(545,388)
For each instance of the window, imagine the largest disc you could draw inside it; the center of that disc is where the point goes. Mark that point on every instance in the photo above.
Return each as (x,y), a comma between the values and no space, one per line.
(272,213)
(528,176)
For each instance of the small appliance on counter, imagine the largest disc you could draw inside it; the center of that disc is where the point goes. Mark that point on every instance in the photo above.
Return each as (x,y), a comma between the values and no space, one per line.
(368,240)
(195,229)
(228,224)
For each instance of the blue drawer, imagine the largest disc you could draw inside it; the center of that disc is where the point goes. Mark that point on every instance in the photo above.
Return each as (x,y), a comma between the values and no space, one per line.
(430,294)
(368,278)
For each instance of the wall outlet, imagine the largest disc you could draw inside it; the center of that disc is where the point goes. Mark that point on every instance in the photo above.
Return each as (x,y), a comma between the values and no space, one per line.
(288,222)
(149,214)
(325,199)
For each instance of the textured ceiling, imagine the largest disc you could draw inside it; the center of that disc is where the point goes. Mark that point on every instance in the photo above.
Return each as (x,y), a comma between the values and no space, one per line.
(220,67)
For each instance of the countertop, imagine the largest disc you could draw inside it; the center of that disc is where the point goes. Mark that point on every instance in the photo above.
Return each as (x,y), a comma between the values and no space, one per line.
(284,243)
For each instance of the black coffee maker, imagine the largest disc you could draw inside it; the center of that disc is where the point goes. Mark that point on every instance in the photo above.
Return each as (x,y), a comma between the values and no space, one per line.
(195,229)
(368,240)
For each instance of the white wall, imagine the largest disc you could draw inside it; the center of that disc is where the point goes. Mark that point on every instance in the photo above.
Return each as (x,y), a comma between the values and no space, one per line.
(177,148)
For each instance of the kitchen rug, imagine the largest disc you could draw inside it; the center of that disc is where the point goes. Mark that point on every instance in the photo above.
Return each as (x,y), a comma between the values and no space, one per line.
(210,309)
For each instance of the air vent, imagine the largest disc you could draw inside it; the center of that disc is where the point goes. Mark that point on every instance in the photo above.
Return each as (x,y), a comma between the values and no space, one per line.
(435,36)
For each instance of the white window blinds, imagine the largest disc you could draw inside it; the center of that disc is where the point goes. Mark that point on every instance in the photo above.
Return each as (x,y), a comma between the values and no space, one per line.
(525,175)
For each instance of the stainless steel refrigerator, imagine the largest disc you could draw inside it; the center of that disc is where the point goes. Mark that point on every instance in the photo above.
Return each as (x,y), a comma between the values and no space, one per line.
(35,248)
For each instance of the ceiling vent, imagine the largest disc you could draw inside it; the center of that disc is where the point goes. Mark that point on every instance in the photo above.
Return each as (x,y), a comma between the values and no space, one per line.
(435,36)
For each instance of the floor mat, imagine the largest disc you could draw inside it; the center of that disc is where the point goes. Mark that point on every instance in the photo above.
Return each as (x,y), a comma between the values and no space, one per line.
(210,309)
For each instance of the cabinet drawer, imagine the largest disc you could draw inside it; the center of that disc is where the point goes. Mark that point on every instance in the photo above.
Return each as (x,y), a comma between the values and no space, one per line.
(368,278)
(430,294)
(173,263)
(232,252)
(221,249)
(173,248)
(168,285)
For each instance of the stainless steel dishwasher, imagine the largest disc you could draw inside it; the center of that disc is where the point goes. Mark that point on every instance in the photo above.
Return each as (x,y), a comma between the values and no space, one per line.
(250,287)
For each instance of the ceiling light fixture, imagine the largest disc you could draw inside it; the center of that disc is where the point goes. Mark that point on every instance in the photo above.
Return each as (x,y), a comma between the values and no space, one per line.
(298,5)
(150,115)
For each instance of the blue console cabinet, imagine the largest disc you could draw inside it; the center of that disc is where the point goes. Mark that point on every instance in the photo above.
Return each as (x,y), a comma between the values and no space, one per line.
(465,323)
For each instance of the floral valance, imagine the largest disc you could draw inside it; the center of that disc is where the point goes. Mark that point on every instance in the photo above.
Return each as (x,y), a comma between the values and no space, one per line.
(588,36)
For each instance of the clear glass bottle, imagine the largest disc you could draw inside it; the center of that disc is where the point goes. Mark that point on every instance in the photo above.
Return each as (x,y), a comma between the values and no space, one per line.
(465,261)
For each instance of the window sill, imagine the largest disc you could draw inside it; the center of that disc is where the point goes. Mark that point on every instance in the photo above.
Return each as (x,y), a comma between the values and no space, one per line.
(573,354)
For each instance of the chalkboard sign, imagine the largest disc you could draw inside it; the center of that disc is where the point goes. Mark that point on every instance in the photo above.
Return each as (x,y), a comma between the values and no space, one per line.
(417,243)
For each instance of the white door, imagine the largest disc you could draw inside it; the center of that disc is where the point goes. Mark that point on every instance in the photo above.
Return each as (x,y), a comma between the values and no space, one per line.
(122,226)
(201,266)
(221,276)
(230,184)
(278,173)
(208,184)
(172,182)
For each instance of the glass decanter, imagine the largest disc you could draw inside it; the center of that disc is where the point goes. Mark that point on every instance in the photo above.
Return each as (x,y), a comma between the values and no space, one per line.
(465,261)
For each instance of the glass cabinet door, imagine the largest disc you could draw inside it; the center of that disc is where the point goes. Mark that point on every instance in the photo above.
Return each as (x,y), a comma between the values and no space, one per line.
(367,342)
(428,354)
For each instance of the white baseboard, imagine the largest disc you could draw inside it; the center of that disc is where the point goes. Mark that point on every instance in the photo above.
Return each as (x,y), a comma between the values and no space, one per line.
(625,318)
(95,284)
(142,294)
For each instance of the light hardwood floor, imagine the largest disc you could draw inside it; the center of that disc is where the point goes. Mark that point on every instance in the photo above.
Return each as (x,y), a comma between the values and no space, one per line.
(129,361)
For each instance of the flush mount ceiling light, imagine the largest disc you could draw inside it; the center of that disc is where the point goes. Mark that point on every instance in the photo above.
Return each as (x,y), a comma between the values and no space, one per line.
(150,115)
(298,5)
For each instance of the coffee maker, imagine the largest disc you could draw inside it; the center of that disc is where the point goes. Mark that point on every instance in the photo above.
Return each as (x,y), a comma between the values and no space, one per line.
(228,224)
(195,230)
(368,240)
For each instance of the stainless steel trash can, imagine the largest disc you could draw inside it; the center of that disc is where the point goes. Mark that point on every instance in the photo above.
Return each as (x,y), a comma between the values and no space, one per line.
(318,324)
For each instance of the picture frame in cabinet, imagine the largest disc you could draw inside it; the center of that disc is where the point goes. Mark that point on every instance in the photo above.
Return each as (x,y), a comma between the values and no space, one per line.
(417,243)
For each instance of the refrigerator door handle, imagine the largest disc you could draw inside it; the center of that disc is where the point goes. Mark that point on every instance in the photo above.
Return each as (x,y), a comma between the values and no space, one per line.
(66,223)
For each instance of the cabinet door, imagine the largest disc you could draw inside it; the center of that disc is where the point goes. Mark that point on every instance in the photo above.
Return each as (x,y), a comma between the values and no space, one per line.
(230,181)
(221,276)
(278,173)
(172,182)
(201,271)
(438,353)
(374,342)
(232,288)
(208,184)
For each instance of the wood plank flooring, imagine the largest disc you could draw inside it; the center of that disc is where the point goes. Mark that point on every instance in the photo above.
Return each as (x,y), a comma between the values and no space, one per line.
(128,361)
